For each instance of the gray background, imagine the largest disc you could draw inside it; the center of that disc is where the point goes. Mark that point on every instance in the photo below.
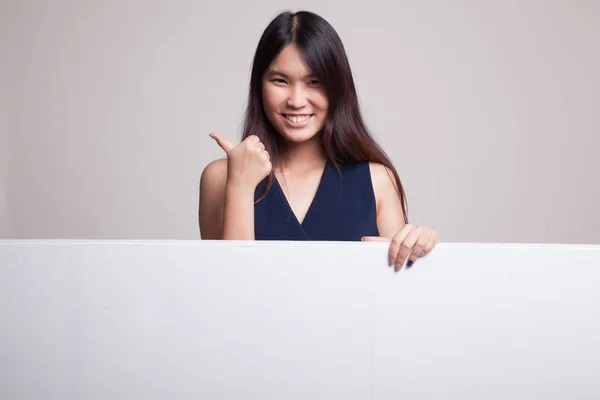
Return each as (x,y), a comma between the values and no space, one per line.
(488,109)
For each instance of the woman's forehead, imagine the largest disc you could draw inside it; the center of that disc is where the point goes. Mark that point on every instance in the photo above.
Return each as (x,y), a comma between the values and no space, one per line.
(290,62)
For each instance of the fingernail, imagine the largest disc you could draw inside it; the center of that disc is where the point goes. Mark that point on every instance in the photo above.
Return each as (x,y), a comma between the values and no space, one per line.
(409,263)
(390,262)
(362,239)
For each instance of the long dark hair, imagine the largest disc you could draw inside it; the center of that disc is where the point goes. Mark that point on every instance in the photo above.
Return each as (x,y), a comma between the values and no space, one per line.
(344,136)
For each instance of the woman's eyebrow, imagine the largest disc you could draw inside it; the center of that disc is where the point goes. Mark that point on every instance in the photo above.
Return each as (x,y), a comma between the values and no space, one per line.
(281,74)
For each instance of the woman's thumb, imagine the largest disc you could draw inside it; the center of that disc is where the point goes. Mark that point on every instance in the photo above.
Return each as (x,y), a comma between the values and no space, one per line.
(375,239)
(225,144)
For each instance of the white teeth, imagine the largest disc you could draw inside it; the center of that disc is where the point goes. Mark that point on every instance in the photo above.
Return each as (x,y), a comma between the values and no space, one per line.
(296,119)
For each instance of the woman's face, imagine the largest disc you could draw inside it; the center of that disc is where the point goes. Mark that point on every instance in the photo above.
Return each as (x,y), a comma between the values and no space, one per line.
(293,98)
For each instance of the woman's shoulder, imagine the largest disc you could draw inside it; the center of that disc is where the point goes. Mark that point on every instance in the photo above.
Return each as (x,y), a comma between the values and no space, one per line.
(214,177)
(215,170)
(381,175)
(384,182)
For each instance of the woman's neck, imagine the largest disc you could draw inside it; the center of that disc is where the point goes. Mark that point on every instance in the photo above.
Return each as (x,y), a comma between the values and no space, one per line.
(307,155)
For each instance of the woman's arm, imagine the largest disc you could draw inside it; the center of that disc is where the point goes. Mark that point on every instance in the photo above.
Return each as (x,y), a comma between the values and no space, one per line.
(225,210)
(408,242)
(212,200)
(390,217)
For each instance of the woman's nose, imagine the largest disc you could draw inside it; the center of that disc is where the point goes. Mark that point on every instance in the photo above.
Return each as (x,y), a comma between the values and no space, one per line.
(297,97)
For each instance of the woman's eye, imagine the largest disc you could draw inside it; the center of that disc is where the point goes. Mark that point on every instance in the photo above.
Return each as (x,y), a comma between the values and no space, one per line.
(314,83)
(278,81)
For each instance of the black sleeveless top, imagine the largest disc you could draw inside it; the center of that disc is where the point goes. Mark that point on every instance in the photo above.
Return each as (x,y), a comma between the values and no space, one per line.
(343,208)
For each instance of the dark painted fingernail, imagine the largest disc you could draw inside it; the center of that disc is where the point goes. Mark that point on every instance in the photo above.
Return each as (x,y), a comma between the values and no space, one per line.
(409,263)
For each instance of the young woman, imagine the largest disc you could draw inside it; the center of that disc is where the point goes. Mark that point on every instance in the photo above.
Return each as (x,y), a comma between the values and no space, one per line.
(307,167)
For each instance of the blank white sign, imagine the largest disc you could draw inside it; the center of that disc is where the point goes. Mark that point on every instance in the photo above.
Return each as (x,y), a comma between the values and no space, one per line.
(297,320)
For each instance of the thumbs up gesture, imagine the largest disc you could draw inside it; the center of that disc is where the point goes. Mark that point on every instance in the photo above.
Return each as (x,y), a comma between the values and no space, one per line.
(248,163)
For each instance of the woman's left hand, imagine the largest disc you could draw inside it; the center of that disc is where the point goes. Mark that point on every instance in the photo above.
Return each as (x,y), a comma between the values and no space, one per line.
(414,240)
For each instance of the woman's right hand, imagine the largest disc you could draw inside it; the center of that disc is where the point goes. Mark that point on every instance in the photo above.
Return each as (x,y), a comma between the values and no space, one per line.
(248,163)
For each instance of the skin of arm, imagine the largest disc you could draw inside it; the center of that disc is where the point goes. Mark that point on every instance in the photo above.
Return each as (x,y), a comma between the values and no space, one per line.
(226,209)
(390,217)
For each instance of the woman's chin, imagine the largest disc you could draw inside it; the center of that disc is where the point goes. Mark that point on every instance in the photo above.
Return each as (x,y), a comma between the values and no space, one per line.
(299,136)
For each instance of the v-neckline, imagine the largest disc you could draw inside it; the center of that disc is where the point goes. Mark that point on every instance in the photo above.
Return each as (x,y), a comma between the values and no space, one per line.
(310,207)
